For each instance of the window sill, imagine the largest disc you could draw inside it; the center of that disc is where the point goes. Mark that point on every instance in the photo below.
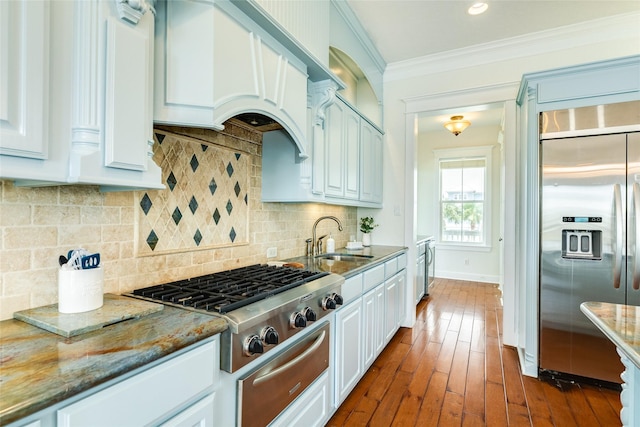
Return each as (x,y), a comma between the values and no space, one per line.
(463,247)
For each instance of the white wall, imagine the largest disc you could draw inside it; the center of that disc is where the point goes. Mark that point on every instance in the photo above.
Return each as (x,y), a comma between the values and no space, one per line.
(483,70)
(483,265)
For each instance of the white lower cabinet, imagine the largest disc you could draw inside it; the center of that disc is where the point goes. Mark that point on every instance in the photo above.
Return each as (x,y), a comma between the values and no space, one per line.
(365,325)
(348,349)
(200,414)
(373,324)
(310,409)
(163,392)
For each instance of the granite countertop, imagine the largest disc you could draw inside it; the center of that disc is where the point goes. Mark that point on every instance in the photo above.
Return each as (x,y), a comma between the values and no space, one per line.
(620,323)
(376,254)
(39,368)
(422,238)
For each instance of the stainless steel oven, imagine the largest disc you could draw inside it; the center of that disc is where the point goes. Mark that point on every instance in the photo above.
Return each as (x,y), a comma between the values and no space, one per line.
(268,390)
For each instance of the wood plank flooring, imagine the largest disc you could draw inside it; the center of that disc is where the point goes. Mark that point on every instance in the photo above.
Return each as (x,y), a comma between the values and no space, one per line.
(452,369)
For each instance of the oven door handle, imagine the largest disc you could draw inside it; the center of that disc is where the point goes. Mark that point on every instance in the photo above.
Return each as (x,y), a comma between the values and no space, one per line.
(292,362)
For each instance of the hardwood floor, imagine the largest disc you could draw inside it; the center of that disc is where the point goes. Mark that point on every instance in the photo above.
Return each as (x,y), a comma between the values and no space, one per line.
(451,369)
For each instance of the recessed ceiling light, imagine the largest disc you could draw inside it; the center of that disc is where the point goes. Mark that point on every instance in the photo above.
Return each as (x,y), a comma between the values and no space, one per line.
(478,8)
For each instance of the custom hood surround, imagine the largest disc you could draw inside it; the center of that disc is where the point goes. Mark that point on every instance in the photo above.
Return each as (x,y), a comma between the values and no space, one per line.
(213,62)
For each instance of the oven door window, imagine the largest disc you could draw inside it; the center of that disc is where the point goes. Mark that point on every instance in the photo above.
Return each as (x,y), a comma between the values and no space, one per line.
(272,387)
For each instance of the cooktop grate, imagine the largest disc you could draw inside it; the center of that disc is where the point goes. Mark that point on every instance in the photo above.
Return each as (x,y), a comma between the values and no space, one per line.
(229,290)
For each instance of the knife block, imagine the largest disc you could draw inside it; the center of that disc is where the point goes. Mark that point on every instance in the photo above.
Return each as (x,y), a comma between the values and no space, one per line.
(80,290)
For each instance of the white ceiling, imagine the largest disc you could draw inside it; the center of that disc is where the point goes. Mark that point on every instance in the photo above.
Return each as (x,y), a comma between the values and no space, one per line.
(403,30)
(407,29)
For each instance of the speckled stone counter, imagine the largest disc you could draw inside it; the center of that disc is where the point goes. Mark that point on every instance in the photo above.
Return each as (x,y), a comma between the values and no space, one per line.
(620,323)
(39,368)
(351,268)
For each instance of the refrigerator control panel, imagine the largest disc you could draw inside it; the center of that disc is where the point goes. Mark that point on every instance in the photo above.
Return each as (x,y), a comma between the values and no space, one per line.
(582,244)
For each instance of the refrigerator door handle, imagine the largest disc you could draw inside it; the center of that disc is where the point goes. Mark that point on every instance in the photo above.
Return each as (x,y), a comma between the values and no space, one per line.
(617,207)
(636,212)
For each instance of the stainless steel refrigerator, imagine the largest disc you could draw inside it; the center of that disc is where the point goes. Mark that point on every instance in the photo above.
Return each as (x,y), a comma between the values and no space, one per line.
(590,197)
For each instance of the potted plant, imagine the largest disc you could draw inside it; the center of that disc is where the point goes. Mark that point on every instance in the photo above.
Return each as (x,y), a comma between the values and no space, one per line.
(367,224)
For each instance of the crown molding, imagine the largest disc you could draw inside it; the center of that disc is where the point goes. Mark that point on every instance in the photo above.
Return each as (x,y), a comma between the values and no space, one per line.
(359,32)
(561,38)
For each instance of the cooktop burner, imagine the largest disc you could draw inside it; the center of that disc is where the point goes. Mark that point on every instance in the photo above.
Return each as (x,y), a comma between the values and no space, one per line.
(228,290)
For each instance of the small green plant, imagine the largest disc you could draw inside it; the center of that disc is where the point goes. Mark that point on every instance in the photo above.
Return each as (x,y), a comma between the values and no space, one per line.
(367,224)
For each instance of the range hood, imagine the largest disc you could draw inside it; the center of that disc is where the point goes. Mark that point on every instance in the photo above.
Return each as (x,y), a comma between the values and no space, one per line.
(213,62)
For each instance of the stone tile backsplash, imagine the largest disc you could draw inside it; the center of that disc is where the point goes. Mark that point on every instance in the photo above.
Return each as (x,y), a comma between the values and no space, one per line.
(39,224)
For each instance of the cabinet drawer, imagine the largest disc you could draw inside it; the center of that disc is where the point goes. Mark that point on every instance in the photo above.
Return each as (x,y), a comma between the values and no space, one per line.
(373,277)
(390,268)
(352,288)
(150,395)
(402,262)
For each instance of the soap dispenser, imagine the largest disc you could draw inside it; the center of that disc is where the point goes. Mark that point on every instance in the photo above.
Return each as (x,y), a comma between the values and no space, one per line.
(331,244)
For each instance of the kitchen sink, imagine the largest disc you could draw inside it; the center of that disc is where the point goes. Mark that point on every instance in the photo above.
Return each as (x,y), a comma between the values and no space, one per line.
(344,257)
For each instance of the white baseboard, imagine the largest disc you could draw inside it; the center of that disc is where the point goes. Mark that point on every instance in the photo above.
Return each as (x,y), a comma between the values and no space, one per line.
(472,277)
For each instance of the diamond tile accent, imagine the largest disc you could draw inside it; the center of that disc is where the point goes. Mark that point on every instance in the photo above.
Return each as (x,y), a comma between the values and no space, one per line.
(152,240)
(219,182)
(171,181)
(146,204)
(213,186)
(177,215)
(193,205)
(194,163)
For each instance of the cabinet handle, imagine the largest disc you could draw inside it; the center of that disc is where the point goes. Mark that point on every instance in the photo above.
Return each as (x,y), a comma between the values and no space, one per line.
(293,362)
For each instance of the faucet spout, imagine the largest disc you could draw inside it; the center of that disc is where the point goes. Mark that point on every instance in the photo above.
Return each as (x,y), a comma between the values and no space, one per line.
(315,241)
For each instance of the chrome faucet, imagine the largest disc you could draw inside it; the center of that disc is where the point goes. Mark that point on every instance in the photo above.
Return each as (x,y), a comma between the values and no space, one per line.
(316,244)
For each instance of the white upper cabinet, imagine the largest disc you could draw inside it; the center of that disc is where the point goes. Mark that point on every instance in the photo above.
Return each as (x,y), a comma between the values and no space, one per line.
(78,101)
(24,78)
(370,164)
(111,106)
(213,62)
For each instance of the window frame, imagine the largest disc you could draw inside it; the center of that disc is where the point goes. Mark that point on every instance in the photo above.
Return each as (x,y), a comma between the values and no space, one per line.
(455,154)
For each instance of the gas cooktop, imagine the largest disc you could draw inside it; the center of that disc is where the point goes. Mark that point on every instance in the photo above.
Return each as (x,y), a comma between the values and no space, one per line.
(229,290)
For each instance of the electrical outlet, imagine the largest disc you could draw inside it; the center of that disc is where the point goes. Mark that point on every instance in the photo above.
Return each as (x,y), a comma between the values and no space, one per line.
(272,252)
(466,261)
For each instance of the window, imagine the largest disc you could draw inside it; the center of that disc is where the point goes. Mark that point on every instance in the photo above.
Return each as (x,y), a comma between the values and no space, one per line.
(464,177)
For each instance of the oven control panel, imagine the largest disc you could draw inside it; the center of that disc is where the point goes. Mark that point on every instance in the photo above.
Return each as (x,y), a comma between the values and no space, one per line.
(281,325)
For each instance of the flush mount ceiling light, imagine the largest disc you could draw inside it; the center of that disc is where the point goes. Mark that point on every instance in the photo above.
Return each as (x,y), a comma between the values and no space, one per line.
(457,125)
(478,8)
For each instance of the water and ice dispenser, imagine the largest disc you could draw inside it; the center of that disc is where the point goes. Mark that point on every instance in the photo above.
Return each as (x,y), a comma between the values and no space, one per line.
(582,244)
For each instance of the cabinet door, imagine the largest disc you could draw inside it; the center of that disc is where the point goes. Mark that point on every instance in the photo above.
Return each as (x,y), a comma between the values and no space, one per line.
(24,78)
(348,349)
(199,414)
(369,328)
(334,154)
(128,86)
(310,409)
(371,164)
(391,308)
(402,296)
(351,161)
(379,320)
(420,277)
